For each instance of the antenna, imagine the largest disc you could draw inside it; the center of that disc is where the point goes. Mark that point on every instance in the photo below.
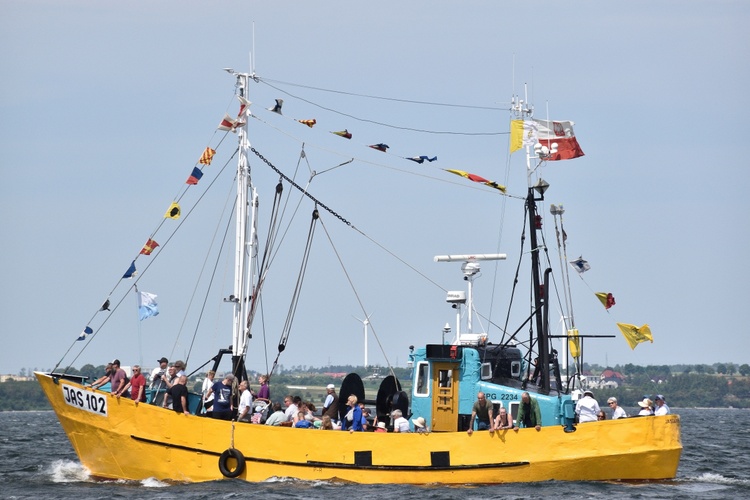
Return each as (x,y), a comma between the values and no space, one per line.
(252,52)
(471,270)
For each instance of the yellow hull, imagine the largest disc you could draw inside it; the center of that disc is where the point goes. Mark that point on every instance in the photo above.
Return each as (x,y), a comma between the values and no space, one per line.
(125,441)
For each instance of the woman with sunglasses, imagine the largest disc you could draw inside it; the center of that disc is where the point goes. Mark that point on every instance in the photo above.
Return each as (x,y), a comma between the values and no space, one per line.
(617,411)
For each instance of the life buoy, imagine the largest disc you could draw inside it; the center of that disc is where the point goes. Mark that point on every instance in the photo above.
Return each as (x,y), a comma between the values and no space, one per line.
(237,456)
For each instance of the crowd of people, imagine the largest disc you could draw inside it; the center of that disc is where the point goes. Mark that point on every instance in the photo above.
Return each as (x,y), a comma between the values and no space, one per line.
(586,410)
(168,386)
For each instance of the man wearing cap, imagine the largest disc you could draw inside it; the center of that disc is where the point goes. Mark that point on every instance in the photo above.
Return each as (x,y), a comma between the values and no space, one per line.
(587,408)
(331,403)
(617,411)
(119,380)
(222,391)
(661,406)
(160,370)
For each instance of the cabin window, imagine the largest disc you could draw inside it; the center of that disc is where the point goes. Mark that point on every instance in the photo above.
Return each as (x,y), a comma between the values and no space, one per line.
(513,411)
(486,371)
(422,385)
(515,369)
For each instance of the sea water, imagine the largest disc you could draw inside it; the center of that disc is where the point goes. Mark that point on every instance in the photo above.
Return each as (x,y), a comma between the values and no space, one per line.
(37,461)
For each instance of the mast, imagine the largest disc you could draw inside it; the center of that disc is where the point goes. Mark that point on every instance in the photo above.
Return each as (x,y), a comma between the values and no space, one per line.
(524,111)
(540,291)
(243,238)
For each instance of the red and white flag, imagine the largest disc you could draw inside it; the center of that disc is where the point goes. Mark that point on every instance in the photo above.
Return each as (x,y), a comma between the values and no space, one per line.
(230,124)
(561,132)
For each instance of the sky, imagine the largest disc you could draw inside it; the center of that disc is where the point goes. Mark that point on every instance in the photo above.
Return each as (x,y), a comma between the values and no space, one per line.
(105,108)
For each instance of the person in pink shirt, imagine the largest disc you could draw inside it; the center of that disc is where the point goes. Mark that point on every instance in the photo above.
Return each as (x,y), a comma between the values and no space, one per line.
(119,380)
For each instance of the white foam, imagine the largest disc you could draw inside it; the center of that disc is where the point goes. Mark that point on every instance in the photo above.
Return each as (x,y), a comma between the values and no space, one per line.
(708,477)
(153,483)
(68,471)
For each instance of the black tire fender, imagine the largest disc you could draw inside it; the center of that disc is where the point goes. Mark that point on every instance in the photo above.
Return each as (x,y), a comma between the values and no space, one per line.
(237,456)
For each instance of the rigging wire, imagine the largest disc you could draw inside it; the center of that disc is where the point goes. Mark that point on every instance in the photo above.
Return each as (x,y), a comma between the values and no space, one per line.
(287,329)
(342,219)
(265,261)
(503,207)
(227,229)
(459,184)
(358,298)
(407,101)
(382,124)
(302,156)
(137,278)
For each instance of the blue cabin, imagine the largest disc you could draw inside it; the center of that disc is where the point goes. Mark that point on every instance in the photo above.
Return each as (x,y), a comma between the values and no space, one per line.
(447,378)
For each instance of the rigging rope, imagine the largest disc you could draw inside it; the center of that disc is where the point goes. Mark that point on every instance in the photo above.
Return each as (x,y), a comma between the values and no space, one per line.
(303,191)
(439,132)
(286,331)
(137,277)
(359,300)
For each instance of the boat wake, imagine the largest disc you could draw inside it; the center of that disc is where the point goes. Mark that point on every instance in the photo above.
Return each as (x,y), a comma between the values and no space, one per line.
(708,477)
(302,483)
(68,471)
(153,483)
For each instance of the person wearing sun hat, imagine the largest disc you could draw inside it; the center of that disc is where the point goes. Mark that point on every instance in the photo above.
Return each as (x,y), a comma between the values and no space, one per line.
(587,408)
(661,406)
(646,406)
(420,425)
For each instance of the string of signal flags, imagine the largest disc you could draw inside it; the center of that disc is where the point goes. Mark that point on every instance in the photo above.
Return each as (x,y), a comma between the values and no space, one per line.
(522,132)
(633,334)
(230,124)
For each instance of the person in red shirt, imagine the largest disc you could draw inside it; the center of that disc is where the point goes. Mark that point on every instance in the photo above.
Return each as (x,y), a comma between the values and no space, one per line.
(137,386)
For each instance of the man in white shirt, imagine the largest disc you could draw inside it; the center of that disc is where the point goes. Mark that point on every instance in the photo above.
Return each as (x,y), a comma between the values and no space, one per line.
(617,411)
(661,406)
(157,372)
(244,410)
(291,409)
(587,408)
(400,424)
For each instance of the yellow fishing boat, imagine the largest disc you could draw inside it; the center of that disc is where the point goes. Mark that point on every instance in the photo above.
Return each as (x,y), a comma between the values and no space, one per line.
(116,438)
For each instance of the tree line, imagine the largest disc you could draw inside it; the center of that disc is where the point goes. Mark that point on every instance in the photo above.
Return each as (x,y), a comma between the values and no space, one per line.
(720,385)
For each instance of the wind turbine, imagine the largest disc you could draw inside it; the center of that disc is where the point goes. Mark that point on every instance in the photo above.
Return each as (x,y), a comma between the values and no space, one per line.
(364,322)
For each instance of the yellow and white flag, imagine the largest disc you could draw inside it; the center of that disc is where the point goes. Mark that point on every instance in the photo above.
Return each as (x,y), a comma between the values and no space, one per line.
(522,133)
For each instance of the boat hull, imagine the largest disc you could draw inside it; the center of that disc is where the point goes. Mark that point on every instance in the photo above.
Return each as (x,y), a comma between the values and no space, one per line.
(115,439)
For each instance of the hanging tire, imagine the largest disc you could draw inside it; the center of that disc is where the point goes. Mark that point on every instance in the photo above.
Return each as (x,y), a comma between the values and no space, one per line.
(237,456)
